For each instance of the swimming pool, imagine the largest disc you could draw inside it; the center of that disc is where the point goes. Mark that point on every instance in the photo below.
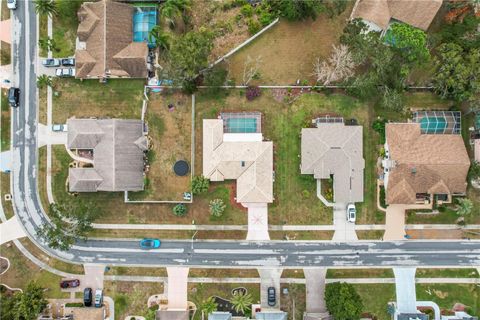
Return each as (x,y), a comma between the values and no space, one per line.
(433,124)
(241,125)
(144,19)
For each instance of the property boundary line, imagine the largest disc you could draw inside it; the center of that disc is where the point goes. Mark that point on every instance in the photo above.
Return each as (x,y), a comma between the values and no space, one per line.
(192,155)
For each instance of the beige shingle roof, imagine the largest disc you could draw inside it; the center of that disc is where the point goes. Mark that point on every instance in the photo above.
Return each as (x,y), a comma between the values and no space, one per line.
(250,163)
(335,149)
(106,27)
(117,146)
(424,163)
(418,13)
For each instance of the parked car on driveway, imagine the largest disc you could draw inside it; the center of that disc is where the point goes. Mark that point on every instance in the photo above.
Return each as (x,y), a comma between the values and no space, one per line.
(87,297)
(65,284)
(351,212)
(14,97)
(51,62)
(98,298)
(150,243)
(68,62)
(65,72)
(272,300)
(59,127)
(12,4)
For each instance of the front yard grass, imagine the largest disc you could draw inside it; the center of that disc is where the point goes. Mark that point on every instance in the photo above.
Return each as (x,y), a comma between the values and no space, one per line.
(5,189)
(170,131)
(446,295)
(131,297)
(5,122)
(199,292)
(375,298)
(118,98)
(22,271)
(294,303)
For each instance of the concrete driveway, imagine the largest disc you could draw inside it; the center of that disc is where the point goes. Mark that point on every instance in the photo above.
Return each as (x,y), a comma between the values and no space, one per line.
(257,221)
(47,136)
(395,222)
(315,286)
(269,278)
(405,289)
(344,230)
(11,230)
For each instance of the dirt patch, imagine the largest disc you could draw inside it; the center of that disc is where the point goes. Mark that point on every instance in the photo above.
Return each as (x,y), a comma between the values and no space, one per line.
(435,234)
(169,120)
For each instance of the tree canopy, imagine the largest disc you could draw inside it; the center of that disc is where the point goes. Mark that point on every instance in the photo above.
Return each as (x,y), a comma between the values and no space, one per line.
(188,56)
(457,72)
(24,305)
(69,222)
(294,10)
(342,301)
(46,7)
(411,42)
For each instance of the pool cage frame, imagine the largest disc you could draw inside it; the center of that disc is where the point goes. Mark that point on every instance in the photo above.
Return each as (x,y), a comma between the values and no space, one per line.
(452,121)
(143,27)
(241,115)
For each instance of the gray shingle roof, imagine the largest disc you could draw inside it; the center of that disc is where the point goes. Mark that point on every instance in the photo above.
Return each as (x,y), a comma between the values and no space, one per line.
(118,147)
(335,149)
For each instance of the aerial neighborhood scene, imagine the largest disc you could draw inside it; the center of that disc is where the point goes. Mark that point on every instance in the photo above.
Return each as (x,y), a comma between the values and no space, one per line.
(240,159)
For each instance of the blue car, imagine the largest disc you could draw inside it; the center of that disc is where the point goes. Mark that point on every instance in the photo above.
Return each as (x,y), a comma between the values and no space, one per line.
(150,243)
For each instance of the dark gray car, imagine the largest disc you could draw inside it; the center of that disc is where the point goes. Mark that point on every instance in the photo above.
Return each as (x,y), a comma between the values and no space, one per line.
(14,97)
(272,300)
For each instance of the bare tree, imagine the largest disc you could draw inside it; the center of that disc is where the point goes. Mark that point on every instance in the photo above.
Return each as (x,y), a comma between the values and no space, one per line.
(250,68)
(338,67)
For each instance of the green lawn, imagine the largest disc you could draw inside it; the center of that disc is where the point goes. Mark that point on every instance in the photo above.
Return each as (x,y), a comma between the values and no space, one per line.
(446,295)
(375,298)
(295,194)
(199,292)
(359,273)
(22,271)
(118,98)
(447,273)
(5,122)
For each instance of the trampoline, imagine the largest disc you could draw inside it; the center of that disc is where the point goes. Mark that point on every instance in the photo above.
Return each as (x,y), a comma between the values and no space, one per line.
(144,19)
(181,168)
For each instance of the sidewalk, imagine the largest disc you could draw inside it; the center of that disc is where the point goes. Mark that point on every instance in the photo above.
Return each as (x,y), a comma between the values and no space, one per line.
(11,230)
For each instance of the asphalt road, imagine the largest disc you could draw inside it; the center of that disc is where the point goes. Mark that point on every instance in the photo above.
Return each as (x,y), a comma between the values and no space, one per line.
(240,254)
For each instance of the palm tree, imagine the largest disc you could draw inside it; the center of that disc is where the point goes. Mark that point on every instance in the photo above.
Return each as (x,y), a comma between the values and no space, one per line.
(46,7)
(241,301)
(465,206)
(208,306)
(161,38)
(172,9)
(47,44)
(44,80)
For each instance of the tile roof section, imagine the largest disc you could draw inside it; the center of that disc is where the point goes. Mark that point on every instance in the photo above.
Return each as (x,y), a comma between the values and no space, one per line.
(424,163)
(250,163)
(417,13)
(106,28)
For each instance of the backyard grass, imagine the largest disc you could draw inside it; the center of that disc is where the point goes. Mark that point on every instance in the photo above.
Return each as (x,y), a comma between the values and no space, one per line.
(199,292)
(295,194)
(170,131)
(5,121)
(22,271)
(289,49)
(118,98)
(64,34)
(131,297)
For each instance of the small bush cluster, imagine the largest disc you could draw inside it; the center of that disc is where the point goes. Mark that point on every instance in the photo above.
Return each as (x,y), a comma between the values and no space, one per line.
(253,92)
(200,184)
(180,210)
(217,207)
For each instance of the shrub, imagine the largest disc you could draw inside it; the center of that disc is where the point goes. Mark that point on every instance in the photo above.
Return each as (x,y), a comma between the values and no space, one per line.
(379,126)
(253,92)
(180,210)
(200,184)
(247,10)
(217,207)
(74,305)
(338,296)
(266,18)
(253,26)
